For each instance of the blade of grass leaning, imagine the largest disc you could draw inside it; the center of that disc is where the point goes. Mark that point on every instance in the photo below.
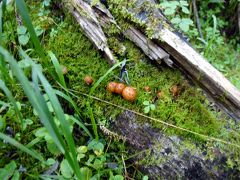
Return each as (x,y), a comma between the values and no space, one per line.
(37,102)
(52,128)
(23,11)
(2,12)
(93,121)
(12,100)
(103,77)
(57,69)
(65,126)
(66,97)
(22,147)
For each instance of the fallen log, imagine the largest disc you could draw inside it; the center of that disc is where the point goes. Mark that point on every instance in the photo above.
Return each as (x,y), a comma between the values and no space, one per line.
(145,13)
(169,157)
(173,158)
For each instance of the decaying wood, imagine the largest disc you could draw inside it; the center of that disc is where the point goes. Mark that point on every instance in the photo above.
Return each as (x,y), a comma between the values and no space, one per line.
(152,50)
(90,25)
(188,59)
(209,78)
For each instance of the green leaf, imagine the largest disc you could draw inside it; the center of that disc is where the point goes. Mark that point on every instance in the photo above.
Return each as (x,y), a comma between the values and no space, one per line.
(8,170)
(38,30)
(118,177)
(26,122)
(169,11)
(146,109)
(16,176)
(145,178)
(86,173)
(176,20)
(80,156)
(146,103)
(82,149)
(41,132)
(185,10)
(23,39)
(2,123)
(153,107)
(50,161)
(183,3)
(21,30)
(184,25)
(23,11)
(97,164)
(53,148)
(21,147)
(65,169)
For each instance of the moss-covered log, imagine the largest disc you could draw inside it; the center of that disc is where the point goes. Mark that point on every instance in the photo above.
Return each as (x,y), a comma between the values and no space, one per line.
(161,155)
(162,40)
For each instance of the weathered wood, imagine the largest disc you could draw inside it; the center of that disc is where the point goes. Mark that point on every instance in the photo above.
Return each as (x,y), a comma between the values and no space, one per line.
(209,78)
(86,18)
(169,157)
(151,49)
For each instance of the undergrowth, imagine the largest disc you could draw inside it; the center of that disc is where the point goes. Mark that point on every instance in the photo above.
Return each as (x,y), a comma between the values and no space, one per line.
(104,158)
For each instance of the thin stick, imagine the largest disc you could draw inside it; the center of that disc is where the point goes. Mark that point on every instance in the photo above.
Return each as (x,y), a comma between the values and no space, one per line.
(195,10)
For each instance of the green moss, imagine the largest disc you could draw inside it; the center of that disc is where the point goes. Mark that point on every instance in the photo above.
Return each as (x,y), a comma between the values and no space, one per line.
(187,110)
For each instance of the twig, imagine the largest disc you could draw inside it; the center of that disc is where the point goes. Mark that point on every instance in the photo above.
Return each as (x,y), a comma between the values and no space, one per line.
(197,18)
(239,17)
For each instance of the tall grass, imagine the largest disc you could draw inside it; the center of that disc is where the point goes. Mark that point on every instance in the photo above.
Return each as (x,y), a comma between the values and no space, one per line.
(34,91)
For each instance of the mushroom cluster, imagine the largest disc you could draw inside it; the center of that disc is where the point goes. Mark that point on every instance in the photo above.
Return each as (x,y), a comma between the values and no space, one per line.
(128,93)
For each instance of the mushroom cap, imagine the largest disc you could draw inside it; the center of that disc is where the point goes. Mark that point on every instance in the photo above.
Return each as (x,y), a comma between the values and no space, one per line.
(119,88)
(111,86)
(129,93)
(88,80)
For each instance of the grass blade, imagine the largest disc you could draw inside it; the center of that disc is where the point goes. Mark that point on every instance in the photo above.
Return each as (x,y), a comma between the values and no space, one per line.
(21,5)
(103,77)
(37,101)
(21,147)
(12,100)
(57,69)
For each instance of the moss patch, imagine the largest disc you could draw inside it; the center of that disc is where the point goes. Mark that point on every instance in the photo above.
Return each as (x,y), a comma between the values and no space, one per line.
(188,110)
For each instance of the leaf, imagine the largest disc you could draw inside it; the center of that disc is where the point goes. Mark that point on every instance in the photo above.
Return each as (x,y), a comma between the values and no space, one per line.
(38,30)
(50,161)
(41,132)
(176,20)
(2,123)
(82,149)
(23,39)
(53,148)
(98,164)
(146,103)
(80,156)
(146,109)
(8,170)
(118,177)
(86,173)
(21,30)
(65,169)
(26,122)
(145,178)
(183,3)
(169,11)
(153,107)
(184,25)
(185,10)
